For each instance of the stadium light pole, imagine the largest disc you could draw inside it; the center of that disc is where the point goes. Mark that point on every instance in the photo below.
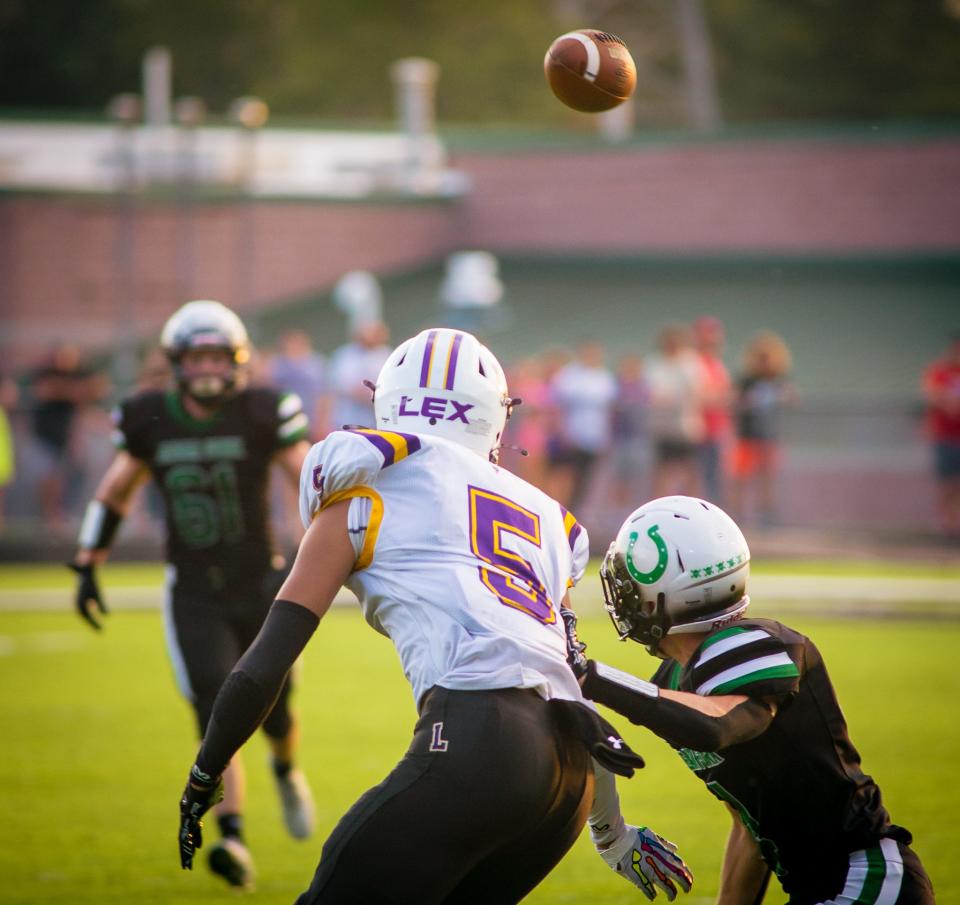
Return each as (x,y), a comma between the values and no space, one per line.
(415,86)
(701,82)
(126,111)
(189,113)
(250,114)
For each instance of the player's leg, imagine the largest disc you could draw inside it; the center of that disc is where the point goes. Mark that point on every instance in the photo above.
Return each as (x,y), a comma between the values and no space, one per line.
(888,873)
(484,771)
(282,728)
(511,873)
(203,649)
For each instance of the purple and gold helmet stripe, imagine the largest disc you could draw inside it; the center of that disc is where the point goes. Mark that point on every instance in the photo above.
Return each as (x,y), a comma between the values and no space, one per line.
(571,526)
(393,446)
(451,371)
(428,358)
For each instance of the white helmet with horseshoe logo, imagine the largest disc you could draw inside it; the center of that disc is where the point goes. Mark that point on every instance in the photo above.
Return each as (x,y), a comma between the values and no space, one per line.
(678,564)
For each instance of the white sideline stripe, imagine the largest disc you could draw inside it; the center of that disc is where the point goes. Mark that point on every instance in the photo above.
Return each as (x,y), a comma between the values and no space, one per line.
(731,643)
(593,54)
(42,643)
(744,669)
(133,597)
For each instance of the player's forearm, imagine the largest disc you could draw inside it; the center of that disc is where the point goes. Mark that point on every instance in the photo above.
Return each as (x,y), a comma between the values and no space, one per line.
(605,820)
(250,691)
(680,725)
(97,530)
(108,508)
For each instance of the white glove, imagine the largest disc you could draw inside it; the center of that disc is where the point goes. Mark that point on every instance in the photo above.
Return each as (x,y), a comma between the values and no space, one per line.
(647,861)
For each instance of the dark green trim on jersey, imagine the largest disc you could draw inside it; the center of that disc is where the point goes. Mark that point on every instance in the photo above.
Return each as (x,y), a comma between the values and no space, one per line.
(787,671)
(673,680)
(175,407)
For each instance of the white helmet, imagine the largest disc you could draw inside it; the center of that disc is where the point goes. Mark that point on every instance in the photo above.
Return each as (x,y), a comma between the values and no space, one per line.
(206,324)
(446,383)
(678,565)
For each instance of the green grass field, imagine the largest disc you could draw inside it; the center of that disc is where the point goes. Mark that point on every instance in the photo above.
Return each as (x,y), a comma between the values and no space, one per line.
(97,744)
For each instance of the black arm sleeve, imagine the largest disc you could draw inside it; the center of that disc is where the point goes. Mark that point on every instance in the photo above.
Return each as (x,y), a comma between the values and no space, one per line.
(245,698)
(681,726)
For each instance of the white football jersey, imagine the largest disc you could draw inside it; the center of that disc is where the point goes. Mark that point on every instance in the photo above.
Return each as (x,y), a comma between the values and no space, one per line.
(462,564)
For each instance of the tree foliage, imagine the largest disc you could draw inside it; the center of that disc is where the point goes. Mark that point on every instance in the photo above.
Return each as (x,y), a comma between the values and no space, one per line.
(331,58)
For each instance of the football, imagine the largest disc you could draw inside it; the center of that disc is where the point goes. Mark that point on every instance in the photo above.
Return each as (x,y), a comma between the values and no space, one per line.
(590,70)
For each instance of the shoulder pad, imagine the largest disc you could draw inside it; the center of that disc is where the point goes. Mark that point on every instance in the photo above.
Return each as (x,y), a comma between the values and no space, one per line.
(133,417)
(746,659)
(347,459)
(278,412)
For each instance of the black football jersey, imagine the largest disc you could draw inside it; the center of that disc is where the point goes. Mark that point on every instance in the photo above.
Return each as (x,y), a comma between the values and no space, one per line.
(213,475)
(798,786)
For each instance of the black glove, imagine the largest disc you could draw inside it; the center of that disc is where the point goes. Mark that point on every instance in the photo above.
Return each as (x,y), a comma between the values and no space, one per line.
(88,594)
(201,793)
(575,647)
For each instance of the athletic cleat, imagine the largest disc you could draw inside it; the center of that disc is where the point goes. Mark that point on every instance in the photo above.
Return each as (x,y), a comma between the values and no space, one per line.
(297,801)
(230,858)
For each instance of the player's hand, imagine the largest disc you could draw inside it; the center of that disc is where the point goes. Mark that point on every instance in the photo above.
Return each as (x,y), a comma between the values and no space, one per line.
(201,793)
(649,862)
(575,647)
(88,599)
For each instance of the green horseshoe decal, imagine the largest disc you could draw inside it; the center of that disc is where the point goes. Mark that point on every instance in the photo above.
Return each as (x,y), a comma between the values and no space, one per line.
(662,556)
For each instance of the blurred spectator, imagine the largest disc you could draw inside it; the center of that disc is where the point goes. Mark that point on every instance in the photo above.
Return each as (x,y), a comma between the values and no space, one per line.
(675,378)
(60,389)
(631,415)
(8,401)
(763,390)
(941,389)
(528,423)
(583,393)
(708,337)
(360,359)
(297,368)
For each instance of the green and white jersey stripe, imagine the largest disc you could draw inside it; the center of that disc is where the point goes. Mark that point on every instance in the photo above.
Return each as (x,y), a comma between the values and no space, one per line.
(874,877)
(292,424)
(773,666)
(729,640)
(289,406)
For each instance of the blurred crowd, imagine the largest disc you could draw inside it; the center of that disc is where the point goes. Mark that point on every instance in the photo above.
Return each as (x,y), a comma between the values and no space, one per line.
(600,434)
(596,432)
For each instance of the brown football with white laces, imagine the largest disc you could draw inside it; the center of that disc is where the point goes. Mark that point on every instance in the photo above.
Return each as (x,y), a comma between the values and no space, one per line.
(590,70)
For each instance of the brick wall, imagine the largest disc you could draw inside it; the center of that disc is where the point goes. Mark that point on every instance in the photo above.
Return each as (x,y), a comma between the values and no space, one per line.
(62,270)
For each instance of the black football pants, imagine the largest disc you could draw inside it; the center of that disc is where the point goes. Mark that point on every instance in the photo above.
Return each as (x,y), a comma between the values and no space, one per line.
(207,632)
(488,798)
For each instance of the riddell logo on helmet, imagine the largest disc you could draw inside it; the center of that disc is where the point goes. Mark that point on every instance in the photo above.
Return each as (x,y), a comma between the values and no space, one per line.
(720,623)
(435,407)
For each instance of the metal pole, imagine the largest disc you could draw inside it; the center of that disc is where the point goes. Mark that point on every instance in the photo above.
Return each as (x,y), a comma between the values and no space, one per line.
(125,110)
(702,94)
